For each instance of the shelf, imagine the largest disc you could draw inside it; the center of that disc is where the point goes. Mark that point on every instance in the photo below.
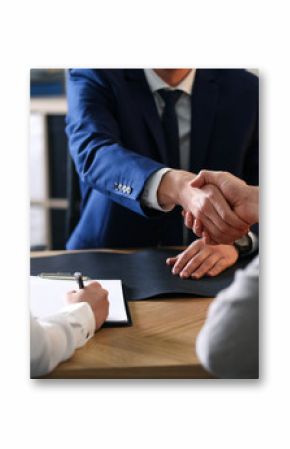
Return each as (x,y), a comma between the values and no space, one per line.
(49,105)
(51,203)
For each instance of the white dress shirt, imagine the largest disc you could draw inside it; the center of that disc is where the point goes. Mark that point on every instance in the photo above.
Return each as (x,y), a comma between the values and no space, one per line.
(228,343)
(183,113)
(55,339)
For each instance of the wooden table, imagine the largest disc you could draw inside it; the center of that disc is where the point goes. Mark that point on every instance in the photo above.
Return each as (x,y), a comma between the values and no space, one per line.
(159,344)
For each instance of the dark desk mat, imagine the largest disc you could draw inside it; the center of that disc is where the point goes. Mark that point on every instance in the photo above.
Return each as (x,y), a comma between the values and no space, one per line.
(144,274)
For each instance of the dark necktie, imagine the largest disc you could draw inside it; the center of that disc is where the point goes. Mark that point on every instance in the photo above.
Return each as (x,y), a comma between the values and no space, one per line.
(170,125)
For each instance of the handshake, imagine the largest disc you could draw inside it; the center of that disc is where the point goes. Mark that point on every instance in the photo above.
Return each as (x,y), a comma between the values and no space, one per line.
(216,205)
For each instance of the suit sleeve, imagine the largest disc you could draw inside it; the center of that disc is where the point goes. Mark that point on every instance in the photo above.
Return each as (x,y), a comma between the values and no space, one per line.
(94,135)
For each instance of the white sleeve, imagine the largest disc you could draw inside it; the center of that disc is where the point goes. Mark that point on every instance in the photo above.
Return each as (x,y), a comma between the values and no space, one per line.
(228,343)
(55,339)
(149,196)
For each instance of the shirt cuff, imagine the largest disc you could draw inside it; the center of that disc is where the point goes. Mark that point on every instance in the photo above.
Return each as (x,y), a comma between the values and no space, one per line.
(149,196)
(80,319)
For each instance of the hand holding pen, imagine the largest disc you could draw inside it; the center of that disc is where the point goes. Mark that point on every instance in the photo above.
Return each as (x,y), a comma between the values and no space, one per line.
(94,295)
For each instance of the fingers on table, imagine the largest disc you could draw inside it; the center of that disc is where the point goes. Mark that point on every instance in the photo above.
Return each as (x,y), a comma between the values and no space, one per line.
(171,260)
(200,265)
(196,262)
(183,258)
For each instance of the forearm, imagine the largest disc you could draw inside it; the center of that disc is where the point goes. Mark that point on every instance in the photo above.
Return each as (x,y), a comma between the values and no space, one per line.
(115,171)
(55,339)
(53,345)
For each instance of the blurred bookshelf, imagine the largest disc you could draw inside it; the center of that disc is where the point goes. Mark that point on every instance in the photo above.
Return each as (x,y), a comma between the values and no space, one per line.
(48,105)
(48,152)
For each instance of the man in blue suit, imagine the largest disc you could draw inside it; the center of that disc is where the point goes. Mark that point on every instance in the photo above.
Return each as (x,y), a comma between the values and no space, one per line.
(138,136)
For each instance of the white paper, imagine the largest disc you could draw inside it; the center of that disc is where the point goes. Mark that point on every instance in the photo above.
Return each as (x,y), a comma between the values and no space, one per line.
(47,297)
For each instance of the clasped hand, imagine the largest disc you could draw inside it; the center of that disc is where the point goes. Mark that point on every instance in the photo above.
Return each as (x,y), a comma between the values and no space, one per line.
(209,215)
(223,209)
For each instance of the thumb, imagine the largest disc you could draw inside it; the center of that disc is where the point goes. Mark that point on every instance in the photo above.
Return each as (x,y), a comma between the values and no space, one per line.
(200,180)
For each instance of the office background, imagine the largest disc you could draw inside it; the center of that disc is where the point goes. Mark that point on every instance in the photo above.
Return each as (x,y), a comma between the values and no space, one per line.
(48,156)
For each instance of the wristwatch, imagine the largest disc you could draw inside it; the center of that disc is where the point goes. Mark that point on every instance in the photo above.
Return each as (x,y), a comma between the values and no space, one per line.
(244,245)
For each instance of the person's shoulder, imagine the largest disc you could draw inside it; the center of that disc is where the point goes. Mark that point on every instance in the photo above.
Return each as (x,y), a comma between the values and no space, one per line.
(238,79)
(97,75)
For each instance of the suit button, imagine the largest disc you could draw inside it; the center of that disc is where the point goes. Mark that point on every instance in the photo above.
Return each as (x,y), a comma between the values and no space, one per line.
(124,189)
(120,186)
(116,186)
(129,190)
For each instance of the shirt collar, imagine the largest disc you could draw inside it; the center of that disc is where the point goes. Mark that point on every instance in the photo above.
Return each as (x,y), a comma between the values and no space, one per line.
(156,83)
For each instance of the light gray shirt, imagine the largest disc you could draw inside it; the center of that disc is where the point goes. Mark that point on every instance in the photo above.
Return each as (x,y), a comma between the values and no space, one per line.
(228,343)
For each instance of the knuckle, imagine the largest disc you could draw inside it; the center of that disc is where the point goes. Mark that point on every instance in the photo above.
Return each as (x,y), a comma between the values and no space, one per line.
(223,214)
(106,294)
(94,285)
(210,193)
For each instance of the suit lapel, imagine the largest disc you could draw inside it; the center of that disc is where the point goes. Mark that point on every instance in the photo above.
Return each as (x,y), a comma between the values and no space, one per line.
(203,110)
(144,99)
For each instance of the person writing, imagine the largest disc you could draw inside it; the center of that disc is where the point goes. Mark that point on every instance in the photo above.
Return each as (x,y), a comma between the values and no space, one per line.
(56,338)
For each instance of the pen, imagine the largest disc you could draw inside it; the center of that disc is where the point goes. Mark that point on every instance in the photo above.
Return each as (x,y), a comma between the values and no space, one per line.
(79,278)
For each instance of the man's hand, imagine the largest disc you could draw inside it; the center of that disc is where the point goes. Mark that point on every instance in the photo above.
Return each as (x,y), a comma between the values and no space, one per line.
(96,297)
(207,205)
(200,259)
(244,199)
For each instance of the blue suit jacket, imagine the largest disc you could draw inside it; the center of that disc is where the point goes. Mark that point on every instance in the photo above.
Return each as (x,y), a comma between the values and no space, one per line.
(116,141)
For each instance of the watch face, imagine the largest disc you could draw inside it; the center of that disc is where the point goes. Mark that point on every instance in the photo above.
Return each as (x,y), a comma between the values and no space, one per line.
(244,244)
